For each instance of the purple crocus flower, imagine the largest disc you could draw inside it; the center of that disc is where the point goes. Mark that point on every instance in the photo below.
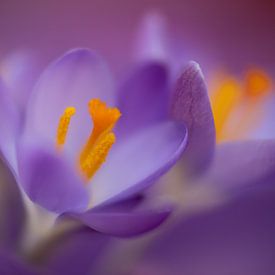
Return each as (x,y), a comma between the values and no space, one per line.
(237,172)
(47,157)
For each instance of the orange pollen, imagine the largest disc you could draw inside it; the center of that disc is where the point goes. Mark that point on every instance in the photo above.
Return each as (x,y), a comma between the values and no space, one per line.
(63,126)
(224,100)
(236,104)
(101,139)
(257,83)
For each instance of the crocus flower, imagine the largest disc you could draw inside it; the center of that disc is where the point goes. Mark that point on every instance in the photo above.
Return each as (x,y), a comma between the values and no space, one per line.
(242,103)
(48,174)
(60,158)
(63,255)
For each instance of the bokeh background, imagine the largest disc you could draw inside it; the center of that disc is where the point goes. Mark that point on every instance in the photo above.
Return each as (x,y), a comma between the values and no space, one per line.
(227,33)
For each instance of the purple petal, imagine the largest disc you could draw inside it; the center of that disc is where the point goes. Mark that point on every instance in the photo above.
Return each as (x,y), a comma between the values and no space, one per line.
(50,181)
(243,165)
(9,265)
(73,80)
(138,161)
(235,239)
(152,42)
(12,214)
(75,252)
(143,98)
(124,222)
(191,105)
(19,72)
(9,126)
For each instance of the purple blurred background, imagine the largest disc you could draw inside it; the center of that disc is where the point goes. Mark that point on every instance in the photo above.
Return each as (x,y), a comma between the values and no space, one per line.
(213,32)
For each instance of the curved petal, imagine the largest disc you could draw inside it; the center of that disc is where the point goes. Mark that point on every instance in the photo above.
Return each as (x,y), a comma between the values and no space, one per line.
(138,161)
(124,222)
(143,97)
(235,239)
(50,181)
(75,252)
(72,80)
(243,165)
(9,126)
(12,213)
(191,105)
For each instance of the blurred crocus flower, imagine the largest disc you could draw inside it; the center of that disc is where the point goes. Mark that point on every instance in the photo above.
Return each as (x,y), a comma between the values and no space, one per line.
(242,104)
(58,160)
(240,108)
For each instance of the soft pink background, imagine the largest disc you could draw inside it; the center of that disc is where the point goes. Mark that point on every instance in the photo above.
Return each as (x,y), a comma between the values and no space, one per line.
(234,33)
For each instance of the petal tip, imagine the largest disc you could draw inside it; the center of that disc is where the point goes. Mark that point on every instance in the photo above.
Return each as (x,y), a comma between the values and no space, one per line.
(191,105)
(78,55)
(193,68)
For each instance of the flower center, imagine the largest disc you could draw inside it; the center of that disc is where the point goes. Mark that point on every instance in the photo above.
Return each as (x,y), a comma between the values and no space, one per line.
(101,139)
(232,96)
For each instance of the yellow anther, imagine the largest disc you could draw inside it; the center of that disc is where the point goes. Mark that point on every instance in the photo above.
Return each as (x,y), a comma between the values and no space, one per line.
(224,101)
(96,149)
(97,156)
(63,126)
(101,139)
(104,120)
(237,106)
(257,83)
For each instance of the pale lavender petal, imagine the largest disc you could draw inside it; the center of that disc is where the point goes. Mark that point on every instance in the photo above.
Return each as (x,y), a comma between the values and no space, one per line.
(235,239)
(75,252)
(152,42)
(143,98)
(9,126)
(240,166)
(124,221)
(50,181)
(72,80)
(19,70)
(191,105)
(12,213)
(138,161)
